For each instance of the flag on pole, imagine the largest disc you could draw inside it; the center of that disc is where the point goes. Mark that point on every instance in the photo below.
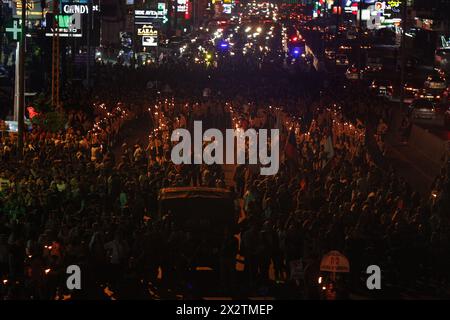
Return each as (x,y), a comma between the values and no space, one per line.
(290,149)
(328,148)
(372,146)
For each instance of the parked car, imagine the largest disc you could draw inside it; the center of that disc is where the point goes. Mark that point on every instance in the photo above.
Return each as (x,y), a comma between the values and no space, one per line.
(423,109)
(382,88)
(430,94)
(342,60)
(352,34)
(353,73)
(373,65)
(435,81)
(330,54)
(410,91)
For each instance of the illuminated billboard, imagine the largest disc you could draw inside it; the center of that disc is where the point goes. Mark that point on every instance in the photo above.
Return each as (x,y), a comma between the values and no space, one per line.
(149,35)
(67,25)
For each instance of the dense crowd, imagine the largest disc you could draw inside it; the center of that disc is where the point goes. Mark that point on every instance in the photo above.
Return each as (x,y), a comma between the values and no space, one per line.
(84,196)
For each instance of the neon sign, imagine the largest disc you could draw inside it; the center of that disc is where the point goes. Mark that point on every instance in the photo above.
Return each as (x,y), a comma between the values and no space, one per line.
(394,5)
(147,30)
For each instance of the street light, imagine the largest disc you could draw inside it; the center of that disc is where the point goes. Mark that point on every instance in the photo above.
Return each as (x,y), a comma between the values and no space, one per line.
(403,55)
(21,87)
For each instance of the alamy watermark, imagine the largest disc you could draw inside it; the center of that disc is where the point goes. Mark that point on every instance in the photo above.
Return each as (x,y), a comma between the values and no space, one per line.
(254,142)
(374,279)
(74,279)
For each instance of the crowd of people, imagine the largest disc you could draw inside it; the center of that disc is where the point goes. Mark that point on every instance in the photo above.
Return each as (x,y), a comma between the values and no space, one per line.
(87,196)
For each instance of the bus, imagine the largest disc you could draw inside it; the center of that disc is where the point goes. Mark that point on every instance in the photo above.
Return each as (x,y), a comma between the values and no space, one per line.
(206,213)
(386,56)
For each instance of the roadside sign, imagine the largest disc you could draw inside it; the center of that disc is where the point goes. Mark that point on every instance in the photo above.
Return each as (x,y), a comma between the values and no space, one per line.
(14,30)
(297,271)
(334,261)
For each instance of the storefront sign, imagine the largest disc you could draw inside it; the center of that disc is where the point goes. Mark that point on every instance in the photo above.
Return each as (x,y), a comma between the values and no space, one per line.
(149,36)
(68,25)
(14,30)
(79,8)
(181,6)
(147,30)
(394,5)
(34,10)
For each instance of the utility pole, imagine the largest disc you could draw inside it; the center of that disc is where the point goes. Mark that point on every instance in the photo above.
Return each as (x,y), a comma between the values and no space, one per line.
(360,4)
(192,6)
(403,56)
(175,16)
(169,16)
(55,56)
(336,39)
(1,34)
(88,40)
(21,86)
